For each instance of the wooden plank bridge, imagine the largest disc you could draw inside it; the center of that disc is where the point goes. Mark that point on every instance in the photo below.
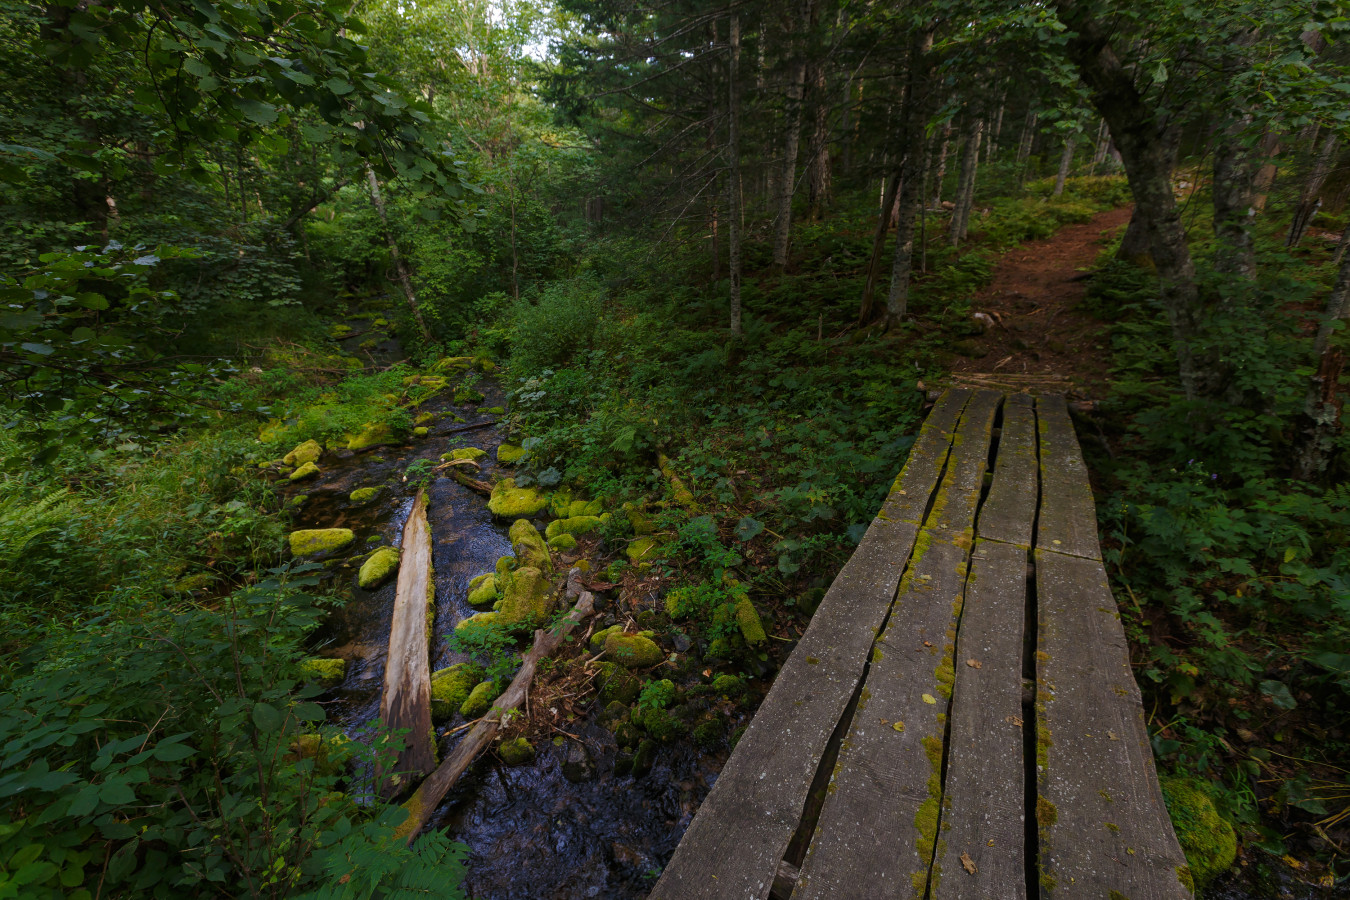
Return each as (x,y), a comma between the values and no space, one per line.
(960,719)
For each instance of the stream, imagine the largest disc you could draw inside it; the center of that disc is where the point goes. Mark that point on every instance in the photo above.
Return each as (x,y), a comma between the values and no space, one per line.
(532,831)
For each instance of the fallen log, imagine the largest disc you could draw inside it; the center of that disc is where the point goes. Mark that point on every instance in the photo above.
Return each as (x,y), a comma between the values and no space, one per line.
(472,483)
(425,799)
(406,703)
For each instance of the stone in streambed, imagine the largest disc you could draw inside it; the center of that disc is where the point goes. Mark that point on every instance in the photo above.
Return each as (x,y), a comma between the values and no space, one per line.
(480,700)
(517,752)
(371,436)
(326,672)
(529,547)
(483,590)
(308,470)
(308,452)
(381,564)
(463,453)
(363,495)
(311,541)
(511,502)
(526,600)
(451,686)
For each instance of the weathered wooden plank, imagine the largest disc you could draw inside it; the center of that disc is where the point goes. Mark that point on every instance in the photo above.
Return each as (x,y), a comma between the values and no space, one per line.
(1068,517)
(959,495)
(1103,828)
(1009,512)
(406,703)
(737,840)
(984,798)
(876,832)
(926,459)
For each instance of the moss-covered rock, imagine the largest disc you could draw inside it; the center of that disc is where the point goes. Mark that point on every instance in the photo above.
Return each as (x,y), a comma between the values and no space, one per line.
(638,518)
(371,436)
(616,684)
(492,410)
(509,454)
(708,735)
(483,591)
(453,364)
(644,758)
(511,502)
(465,394)
(598,639)
(728,686)
(678,491)
(451,686)
(463,453)
(1207,838)
(525,600)
(633,650)
(563,542)
(421,431)
(381,564)
(752,629)
(197,582)
(506,564)
(643,550)
(362,496)
(299,500)
(327,672)
(329,753)
(528,546)
(516,752)
(480,699)
(310,541)
(660,724)
(574,525)
(308,470)
(308,452)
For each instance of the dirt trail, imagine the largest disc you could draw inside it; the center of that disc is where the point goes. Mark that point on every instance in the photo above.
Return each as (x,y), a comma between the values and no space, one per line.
(1039,336)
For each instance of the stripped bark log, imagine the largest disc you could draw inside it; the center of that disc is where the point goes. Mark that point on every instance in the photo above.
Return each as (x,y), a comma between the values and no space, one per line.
(481,487)
(424,800)
(406,704)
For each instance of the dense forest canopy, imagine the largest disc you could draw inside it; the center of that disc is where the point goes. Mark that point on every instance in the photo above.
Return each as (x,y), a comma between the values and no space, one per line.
(714,254)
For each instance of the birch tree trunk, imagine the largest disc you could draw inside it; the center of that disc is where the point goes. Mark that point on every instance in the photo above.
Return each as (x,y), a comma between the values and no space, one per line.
(1065,162)
(940,166)
(1311,197)
(400,267)
(965,197)
(866,309)
(918,102)
(787,179)
(1234,190)
(734,171)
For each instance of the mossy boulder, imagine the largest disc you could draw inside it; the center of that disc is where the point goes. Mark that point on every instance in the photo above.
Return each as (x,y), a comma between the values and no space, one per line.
(308,470)
(708,735)
(328,752)
(421,431)
(633,651)
(463,364)
(747,617)
(510,454)
(506,564)
(563,542)
(362,496)
(308,452)
(574,525)
(638,518)
(616,684)
(483,591)
(381,564)
(598,639)
(511,502)
(1206,837)
(372,435)
(480,699)
(660,724)
(679,492)
(528,546)
(327,672)
(492,410)
(728,686)
(516,752)
(467,395)
(644,549)
(451,686)
(311,541)
(644,758)
(526,600)
(463,453)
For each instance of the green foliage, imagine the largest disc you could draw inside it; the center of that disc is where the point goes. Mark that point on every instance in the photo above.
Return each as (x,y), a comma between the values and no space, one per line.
(494,645)
(560,327)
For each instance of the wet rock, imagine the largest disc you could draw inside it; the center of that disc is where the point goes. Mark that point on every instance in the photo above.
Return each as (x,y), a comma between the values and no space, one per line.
(451,686)
(516,752)
(308,452)
(511,502)
(363,495)
(529,547)
(578,765)
(381,564)
(311,541)
(509,454)
(633,650)
(483,590)
(308,470)
(644,757)
(480,699)
(326,672)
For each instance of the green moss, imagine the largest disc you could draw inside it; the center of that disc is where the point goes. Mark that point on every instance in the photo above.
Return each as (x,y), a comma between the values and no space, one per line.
(510,502)
(453,364)
(307,542)
(472,453)
(678,491)
(308,470)
(308,452)
(563,543)
(480,699)
(598,639)
(1206,837)
(327,672)
(527,597)
(752,629)
(641,522)
(574,525)
(329,753)
(1186,878)
(509,454)
(616,684)
(467,395)
(506,564)
(492,410)
(451,686)
(643,758)
(660,724)
(643,549)
(1046,813)
(483,590)
(633,650)
(516,752)
(363,495)
(381,564)
(708,735)
(528,546)
(728,686)
(371,436)
(197,582)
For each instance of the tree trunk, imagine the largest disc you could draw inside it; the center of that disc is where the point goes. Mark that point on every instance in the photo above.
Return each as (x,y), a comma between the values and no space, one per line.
(1311,198)
(1265,176)
(1065,161)
(818,152)
(1234,190)
(787,179)
(940,167)
(1028,135)
(1100,147)
(1321,419)
(965,196)
(400,268)
(734,171)
(889,196)
(1134,245)
(918,103)
(1141,139)
(995,129)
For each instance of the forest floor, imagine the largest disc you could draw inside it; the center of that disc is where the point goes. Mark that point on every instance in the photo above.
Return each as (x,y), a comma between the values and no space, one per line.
(1039,336)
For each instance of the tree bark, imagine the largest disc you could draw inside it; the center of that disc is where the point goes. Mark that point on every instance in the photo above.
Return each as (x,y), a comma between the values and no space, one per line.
(918,103)
(1065,161)
(818,179)
(787,180)
(1311,197)
(1321,419)
(400,267)
(940,167)
(1141,139)
(1134,246)
(866,310)
(1028,135)
(734,171)
(965,196)
(1234,190)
